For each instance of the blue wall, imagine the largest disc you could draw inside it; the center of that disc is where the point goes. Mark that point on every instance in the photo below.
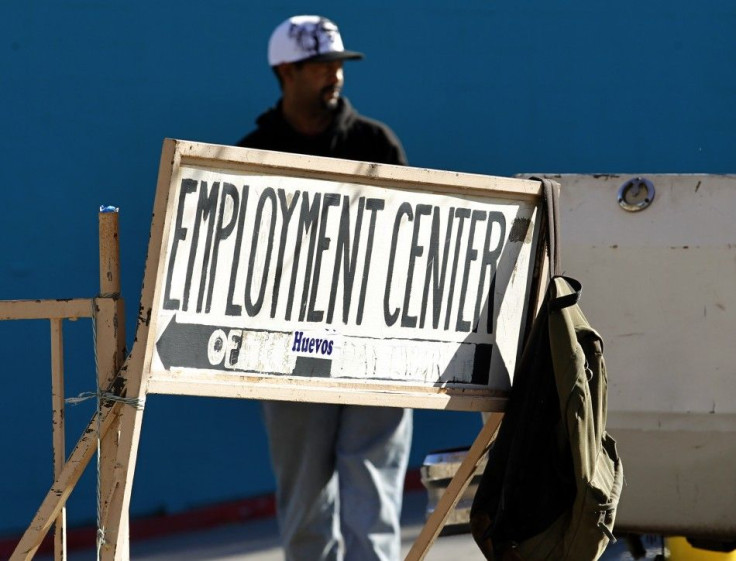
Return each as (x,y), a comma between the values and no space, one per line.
(88,91)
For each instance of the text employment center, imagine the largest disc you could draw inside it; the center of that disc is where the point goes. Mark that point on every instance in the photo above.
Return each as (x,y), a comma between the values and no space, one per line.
(284,277)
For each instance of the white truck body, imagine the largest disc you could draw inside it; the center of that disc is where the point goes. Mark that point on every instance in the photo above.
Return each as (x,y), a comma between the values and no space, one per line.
(659,284)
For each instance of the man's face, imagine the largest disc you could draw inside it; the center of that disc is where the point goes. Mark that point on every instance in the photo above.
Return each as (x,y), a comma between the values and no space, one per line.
(317,84)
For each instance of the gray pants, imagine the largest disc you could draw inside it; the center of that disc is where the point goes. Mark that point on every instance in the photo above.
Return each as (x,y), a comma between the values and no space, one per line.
(340,476)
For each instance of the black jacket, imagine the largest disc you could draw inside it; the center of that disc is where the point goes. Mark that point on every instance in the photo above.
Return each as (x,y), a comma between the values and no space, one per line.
(350,136)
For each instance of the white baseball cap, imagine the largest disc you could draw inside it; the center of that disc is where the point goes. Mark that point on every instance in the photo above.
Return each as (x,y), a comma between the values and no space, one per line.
(312,38)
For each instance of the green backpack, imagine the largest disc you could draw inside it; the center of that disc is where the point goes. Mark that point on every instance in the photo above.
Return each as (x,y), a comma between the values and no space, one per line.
(553,479)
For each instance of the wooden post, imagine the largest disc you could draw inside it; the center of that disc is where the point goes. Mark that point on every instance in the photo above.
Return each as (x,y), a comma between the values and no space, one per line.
(58,430)
(64,483)
(454,490)
(116,514)
(110,353)
(116,517)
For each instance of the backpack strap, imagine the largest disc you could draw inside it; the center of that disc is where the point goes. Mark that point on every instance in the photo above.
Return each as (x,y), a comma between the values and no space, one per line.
(552,200)
(566,300)
(550,204)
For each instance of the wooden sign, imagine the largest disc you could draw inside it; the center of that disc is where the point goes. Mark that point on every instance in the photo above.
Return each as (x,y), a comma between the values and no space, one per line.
(279,276)
(312,279)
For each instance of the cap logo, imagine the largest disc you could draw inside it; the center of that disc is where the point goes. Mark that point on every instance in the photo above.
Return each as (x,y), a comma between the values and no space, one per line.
(315,38)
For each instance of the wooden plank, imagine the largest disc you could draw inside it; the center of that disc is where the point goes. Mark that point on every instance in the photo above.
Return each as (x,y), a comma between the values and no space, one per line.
(109,250)
(110,343)
(64,483)
(241,387)
(455,489)
(110,350)
(379,174)
(115,521)
(46,309)
(58,431)
(110,346)
(115,517)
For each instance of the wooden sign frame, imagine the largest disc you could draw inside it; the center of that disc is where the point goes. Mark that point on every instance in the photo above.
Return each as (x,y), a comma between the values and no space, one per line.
(117,423)
(495,215)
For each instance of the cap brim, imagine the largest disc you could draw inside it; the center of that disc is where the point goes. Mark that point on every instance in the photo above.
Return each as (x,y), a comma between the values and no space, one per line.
(338,55)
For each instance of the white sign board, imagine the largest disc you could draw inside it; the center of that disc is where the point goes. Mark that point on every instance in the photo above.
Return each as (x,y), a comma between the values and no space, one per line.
(302,278)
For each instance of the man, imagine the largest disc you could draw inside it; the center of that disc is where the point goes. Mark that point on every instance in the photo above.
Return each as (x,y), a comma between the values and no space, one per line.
(339,468)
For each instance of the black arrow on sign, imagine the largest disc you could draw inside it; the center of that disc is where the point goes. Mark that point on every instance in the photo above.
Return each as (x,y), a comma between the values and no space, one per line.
(185,345)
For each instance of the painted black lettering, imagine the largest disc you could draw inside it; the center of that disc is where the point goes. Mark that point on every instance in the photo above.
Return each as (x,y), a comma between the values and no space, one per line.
(188,186)
(389,316)
(223,231)
(489,259)
(373,206)
(232,309)
(308,218)
(206,206)
(323,243)
(415,251)
(461,214)
(235,342)
(436,267)
(471,255)
(268,196)
(349,258)
(287,211)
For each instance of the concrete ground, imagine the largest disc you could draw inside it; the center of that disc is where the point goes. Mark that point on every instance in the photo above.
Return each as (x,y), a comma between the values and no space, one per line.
(258,541)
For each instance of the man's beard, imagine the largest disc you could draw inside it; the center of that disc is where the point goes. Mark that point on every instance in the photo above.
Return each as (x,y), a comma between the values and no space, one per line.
(329,100)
